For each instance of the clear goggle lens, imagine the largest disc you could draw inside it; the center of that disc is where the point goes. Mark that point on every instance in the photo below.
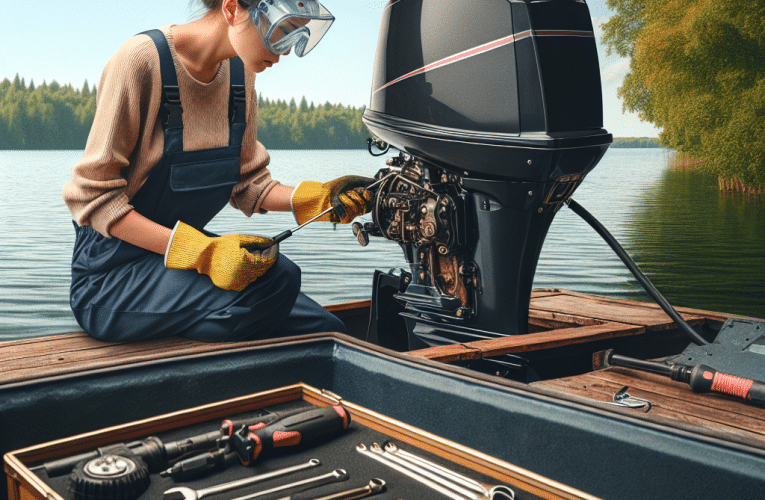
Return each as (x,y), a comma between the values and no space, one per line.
(296,25)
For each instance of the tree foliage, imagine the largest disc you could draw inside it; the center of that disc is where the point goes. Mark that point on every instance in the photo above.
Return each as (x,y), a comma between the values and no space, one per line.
(284,125)
(697,71)
(59,117)
(45,117)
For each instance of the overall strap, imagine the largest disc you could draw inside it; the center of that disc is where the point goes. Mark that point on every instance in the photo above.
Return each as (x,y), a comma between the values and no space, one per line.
(170,110)
(237,102)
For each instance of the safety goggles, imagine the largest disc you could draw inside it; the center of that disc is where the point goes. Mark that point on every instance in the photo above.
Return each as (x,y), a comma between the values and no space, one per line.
(295,25)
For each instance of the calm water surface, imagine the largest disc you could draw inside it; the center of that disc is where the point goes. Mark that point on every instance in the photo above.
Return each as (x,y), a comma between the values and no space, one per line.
(701,248)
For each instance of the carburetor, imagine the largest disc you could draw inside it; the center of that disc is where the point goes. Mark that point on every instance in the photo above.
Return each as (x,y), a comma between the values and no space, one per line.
(425,209)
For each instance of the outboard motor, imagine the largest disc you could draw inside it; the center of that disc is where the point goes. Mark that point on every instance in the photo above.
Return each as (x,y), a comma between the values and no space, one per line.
(496,109)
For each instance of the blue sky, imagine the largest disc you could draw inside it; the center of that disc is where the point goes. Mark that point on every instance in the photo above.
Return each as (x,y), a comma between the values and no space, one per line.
(71,41)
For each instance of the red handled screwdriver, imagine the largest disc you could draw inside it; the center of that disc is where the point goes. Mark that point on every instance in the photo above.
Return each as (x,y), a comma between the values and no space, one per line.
(304,428)
(701,378)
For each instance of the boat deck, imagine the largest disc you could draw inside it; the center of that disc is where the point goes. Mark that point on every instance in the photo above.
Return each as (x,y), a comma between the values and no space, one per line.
(671,403)
(558,319)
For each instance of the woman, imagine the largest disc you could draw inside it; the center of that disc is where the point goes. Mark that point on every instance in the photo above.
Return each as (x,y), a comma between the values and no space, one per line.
(174,138)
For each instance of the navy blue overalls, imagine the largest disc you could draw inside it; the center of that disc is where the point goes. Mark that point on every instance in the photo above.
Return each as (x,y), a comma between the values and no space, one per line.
(121,292)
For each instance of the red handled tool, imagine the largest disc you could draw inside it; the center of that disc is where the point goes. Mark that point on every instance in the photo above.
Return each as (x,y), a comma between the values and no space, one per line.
(701,378)
(221,455)
(304,428)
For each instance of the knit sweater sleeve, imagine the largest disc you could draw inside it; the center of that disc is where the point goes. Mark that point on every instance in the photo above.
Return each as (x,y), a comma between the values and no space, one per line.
(127,105)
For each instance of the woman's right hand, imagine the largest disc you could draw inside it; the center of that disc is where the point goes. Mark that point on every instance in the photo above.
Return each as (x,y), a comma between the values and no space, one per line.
(232,261)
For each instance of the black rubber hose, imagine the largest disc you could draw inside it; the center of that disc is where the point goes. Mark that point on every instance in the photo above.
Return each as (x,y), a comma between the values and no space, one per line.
(647,285)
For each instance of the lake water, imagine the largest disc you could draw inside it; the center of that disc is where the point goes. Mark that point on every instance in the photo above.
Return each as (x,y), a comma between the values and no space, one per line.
(701,248)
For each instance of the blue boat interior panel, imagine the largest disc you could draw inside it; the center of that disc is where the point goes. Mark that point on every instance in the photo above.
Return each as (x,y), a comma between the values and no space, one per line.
(602,453)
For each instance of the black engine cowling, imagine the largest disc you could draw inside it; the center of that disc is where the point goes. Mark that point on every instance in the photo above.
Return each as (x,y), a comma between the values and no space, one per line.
(496,108)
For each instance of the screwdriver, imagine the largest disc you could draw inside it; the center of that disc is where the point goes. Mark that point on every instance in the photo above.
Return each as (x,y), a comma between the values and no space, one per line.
(701,378)
(303,428)
(220,458)
(286,234)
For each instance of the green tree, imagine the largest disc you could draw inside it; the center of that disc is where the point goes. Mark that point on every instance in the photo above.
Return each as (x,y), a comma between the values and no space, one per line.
(53,116)
(697,71)
(45,117)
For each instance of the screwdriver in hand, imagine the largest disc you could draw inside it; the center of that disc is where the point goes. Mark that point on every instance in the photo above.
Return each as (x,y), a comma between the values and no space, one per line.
(286,234)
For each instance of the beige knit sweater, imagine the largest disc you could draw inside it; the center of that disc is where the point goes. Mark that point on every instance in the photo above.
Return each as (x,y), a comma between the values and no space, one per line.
(126,139)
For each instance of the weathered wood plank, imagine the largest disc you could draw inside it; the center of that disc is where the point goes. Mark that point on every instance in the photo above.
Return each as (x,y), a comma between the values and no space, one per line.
(39,357)
(83,353)
(665,387)
(663,410)
(669,399)
(600,308)
(531,342)
(716,315)
(554,319)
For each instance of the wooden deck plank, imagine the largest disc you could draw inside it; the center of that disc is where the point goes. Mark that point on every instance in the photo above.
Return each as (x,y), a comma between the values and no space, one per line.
(679,391)
(669,399)
(715,315)
(83,352)
(531,342)
(660,413)
(605,309)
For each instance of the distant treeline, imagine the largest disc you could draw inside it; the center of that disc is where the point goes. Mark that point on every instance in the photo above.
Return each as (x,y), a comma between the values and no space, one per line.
(53,116)
(283,125)
(636,142)
(50,116)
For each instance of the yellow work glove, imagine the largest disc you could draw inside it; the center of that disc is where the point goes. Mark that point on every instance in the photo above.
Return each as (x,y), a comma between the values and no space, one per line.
(346,194)
(224,259)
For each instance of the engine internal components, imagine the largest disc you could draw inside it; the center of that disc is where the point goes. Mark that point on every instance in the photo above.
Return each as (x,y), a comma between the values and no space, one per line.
(426,211)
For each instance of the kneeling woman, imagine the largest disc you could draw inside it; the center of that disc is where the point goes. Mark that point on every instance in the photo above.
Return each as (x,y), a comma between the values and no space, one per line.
(174,139)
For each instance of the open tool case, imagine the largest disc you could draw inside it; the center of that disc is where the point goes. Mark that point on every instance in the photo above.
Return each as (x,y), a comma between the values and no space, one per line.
(28,480)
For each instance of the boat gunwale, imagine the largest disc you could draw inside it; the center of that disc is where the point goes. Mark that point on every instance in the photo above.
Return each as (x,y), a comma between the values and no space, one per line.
(540,394)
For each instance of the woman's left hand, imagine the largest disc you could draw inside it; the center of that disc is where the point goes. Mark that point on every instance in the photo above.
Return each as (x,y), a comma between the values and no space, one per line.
(347,195)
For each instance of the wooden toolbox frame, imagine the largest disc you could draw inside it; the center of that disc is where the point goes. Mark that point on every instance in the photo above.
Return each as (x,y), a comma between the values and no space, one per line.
(23,484)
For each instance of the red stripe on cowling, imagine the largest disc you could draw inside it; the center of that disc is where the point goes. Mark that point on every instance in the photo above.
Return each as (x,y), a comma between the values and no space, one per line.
(500,42)
(454,58)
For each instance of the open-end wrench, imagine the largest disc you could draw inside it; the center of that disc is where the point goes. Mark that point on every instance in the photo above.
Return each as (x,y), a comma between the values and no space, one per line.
(335,476)
(186,493)
(361,448)
(374,487)
(499,491)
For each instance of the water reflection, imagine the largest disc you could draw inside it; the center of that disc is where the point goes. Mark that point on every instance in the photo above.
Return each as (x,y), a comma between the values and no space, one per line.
(700,247)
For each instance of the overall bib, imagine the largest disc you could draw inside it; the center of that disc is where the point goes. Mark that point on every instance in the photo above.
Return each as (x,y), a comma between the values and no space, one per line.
(121,292)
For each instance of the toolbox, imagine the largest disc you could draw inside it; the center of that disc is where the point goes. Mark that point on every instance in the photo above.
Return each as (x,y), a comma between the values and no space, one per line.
(349,451)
